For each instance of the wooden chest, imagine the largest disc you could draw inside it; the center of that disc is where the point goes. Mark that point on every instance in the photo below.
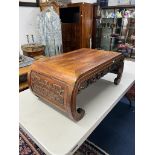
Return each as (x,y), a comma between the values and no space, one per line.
(58,80)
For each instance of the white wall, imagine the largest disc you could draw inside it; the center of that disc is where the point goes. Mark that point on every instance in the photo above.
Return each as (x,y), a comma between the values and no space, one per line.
(27,23)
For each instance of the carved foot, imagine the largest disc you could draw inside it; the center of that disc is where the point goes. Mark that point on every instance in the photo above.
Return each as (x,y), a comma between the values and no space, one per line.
(117,81)
(77,114)
(80,115)
(119,73)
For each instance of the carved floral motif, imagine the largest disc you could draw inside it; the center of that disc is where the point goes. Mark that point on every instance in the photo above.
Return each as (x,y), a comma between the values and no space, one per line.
(46,88)
(92,79)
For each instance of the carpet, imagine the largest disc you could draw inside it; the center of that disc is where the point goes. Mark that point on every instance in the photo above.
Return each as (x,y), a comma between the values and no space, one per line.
(28,147)
(116,133)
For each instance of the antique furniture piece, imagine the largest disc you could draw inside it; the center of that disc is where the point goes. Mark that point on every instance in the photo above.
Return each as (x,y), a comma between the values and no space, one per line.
(58,80)
(50,129)
(77,20)
(32,50)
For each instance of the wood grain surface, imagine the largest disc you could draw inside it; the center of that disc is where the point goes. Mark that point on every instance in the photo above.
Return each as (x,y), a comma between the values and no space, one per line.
(77,34)
(58,80)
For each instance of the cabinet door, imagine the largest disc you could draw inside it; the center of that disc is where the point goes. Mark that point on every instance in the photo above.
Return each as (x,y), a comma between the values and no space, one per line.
(70,36)
(87,24)
(77,23)
(71,28)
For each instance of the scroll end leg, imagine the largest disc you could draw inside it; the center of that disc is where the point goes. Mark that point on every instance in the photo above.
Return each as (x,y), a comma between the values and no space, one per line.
(117,81)
(76,114)
(81,113)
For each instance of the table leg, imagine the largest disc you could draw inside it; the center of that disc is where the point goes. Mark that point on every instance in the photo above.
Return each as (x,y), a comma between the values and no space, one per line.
(119,73)
(71,108)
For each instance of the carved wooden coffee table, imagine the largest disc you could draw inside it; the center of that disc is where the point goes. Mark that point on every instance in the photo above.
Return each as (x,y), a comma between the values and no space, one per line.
(58,80)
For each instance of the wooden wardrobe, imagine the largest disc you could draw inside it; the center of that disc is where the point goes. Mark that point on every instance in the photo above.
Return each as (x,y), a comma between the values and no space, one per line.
(77,21)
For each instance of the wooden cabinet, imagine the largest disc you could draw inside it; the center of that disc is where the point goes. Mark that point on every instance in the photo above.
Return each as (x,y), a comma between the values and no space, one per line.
(77,20)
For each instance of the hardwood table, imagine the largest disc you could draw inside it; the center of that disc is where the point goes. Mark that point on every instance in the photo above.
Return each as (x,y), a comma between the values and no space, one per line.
(58,80)
(56,134)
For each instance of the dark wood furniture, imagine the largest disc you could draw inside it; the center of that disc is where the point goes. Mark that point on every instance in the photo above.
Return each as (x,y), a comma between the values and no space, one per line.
(58,80)
(77,22)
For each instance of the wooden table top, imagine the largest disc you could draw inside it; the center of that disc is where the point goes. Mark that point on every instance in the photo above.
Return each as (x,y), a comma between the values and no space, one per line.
(75,63)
